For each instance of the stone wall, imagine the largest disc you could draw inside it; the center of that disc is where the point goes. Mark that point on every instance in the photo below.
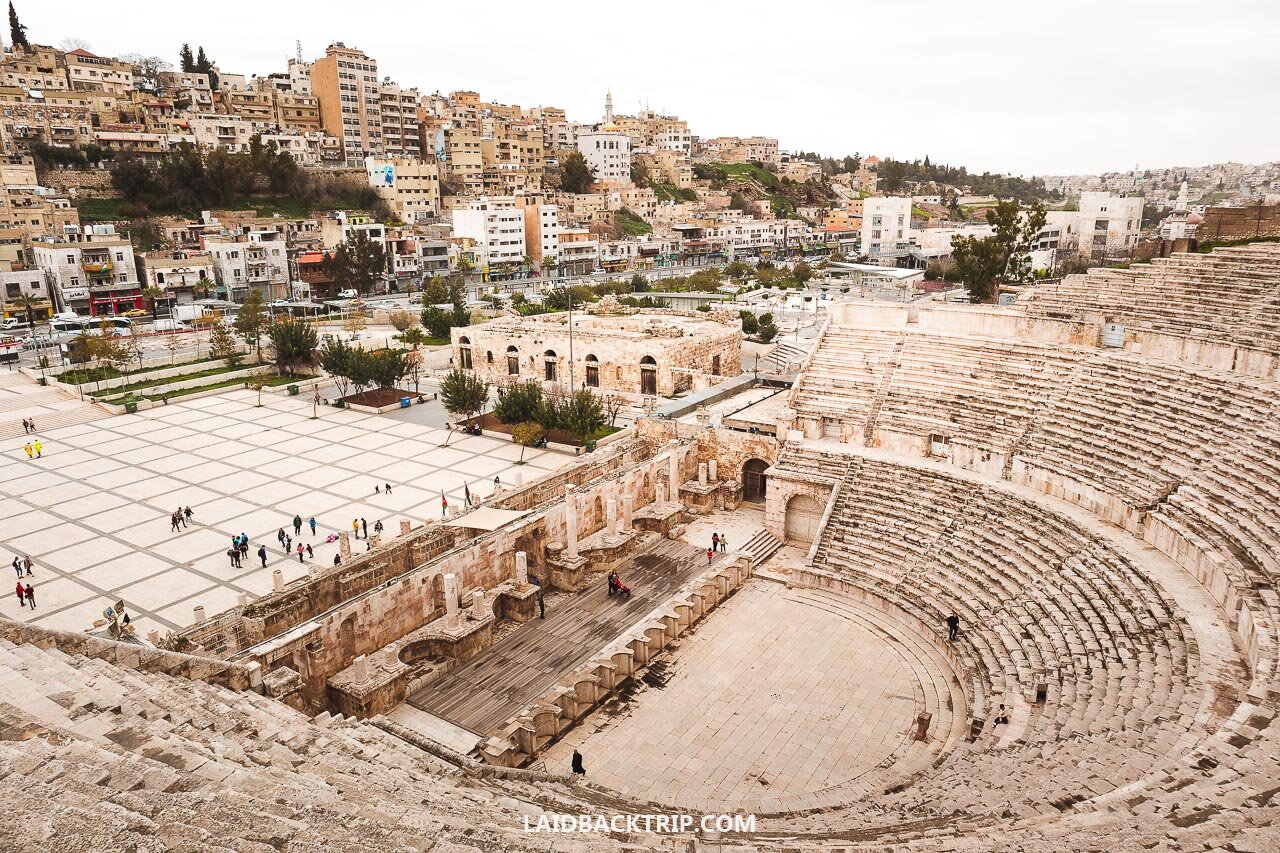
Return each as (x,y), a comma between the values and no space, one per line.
(80,182)
(133,656)
(1239,223)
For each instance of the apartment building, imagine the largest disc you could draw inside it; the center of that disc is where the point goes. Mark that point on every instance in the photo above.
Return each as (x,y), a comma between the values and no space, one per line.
(463,161)
(92,268)
(252,105)
(189,91)
(410,187)
(88,72)
(886,228)
(607,151)
(1108,223)
(345,83)
(497,227)
(40,68)
(399,108)
(54,118)
(179,272)
(296,111)
(579,251)
(15,284)
(256,260)
(542,233)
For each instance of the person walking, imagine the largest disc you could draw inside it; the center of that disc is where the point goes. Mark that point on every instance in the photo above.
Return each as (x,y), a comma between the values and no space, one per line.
(300,550)
(187,513)
(724,544)
(709,553)
(497,483)
(32,423)
(953,626)
(386,487)
(26,564)
(31,596)
(181,518)
(575,764)
(365,526)
(173,523)
(17,567)
(377,526)
(26,428)
(234,556)
(715,541)
(22,591)
(39,445)
(288,544)
(310,554)
(312,522)
(30,451)
(280,535)
(244,544)
(297,525)
(377,489)
(262,555)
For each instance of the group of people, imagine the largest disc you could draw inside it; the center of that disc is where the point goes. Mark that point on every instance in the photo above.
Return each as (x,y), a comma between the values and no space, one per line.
(26,594)
(359,525)
(239,550)
(180,519)
(28,425)
(35,450)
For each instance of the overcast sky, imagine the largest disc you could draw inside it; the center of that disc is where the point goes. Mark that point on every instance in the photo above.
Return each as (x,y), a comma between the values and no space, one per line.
(1019,86)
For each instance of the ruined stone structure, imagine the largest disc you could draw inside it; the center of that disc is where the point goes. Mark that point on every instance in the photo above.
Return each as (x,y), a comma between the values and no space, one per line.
(650,353)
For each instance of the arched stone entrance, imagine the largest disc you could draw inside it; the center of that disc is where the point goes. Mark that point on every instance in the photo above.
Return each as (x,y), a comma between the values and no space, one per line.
(753,480)
(648,376)
(804,514)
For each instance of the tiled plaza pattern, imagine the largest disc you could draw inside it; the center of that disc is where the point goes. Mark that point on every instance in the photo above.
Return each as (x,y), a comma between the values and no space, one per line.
(782,692)
(93,513)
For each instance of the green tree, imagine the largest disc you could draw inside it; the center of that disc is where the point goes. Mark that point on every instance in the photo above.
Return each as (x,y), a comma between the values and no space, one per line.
(222,344)
(463,394)
(252,319)
(204,65)
(983,263)
(336,358)
(639,174)
(17,32)
(802,273)
(582,414)
(639,284)
(28,304)
(437,322)
(358,262)
(575,175)
(294,340)
(153,294)
(519,402)
(388,367)
(186,61)
(749,322)
(526,435)
(401,320)
(738,270)
(361,369)
(766,332)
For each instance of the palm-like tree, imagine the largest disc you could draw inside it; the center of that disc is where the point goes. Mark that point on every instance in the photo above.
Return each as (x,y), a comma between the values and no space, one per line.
(28,304)
(151,293)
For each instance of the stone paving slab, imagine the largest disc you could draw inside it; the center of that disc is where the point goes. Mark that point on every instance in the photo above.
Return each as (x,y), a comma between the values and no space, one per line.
(93,513)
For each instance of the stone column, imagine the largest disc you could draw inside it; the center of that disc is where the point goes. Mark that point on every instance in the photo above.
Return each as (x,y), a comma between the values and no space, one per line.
(360,669)
(674,479)
(570,524)
(610,517)
(198,613)
(713,471)
(478,602)
(702,473)
(451,600)
(405,526)
(277,581)
(344,546)
(375,540)
(522,569)
(393,655)
(153,636)
(628,507)
(661,497)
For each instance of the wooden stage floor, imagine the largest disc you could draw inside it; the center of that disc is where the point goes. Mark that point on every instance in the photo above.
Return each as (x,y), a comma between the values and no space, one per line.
(482,693)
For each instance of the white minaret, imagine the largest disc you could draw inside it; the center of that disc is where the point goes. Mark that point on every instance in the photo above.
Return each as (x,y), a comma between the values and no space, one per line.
(608,107)
(1183,198)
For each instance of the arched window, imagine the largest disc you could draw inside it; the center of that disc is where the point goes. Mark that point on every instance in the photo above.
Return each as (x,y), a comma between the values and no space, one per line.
(488,357)
(549,362)
(464,353)
(593,371)
(513,361)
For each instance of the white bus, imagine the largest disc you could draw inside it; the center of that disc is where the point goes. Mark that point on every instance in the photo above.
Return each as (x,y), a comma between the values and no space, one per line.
(91,325)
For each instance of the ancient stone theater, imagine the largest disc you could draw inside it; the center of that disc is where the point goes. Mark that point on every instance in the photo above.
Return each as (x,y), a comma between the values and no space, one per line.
(980,578)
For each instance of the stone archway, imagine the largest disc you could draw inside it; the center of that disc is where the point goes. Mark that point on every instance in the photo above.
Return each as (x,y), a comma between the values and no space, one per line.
(804,514)
(754,482)
(648,376)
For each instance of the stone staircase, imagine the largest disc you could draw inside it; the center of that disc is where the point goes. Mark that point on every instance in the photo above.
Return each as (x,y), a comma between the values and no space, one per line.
(761,547)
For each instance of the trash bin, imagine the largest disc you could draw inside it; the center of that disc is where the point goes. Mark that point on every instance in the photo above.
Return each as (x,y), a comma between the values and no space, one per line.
(406,402)
(293,390)
(131,406)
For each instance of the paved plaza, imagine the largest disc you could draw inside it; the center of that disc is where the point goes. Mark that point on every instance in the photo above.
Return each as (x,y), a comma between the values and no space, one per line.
(778,694)
(94,513)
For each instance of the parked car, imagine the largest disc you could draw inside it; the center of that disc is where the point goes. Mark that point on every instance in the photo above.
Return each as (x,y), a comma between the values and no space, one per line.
(349,293)
(12,323)
(166,324)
